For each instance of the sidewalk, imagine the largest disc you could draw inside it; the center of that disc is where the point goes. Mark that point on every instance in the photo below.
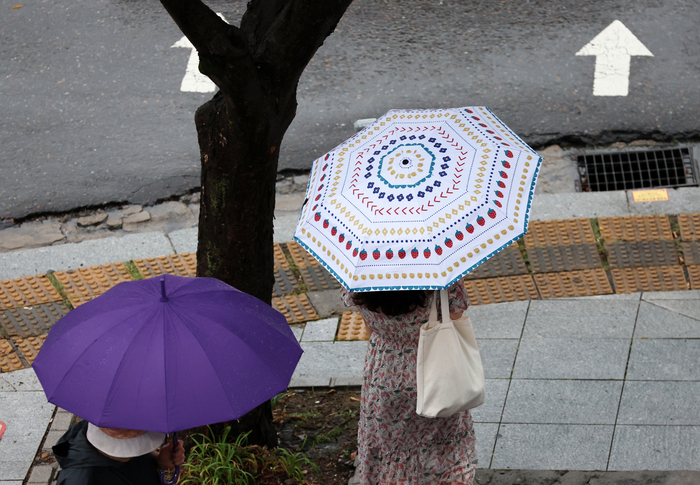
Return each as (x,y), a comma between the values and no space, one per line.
(607,382)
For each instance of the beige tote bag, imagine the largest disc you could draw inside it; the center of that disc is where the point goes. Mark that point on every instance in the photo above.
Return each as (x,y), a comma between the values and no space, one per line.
(449,373)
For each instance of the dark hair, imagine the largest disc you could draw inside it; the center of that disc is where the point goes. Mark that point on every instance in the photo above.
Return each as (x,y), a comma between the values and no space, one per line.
(391,303)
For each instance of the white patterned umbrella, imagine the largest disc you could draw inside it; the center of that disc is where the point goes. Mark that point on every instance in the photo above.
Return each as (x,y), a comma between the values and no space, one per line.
(418,199)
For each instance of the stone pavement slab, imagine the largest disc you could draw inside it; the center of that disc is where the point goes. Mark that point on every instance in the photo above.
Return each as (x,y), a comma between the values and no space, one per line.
(664,360)
(668,319)
(562,401)
(568,446)
(547,207)
(571,359)
(497,357)
(655,448)
(501,320)
(83,255)
(492,409)
(660,403)
(23,407)
(580,318)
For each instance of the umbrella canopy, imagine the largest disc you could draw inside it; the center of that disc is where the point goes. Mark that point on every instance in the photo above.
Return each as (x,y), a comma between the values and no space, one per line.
(133,358)
(418,199)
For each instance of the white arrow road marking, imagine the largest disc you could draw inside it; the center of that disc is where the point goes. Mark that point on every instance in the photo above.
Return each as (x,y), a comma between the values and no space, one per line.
(613,49)
(194,81)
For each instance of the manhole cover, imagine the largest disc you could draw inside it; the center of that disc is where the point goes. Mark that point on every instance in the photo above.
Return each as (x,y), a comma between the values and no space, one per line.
(639,169)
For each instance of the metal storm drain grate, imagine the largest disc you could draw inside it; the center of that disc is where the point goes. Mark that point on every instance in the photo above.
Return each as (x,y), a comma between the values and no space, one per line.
(672,167)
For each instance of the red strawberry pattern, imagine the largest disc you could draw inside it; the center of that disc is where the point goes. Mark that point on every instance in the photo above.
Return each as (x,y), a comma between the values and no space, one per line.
(348,245)
(448,242)
(414,253)
(438,250)
(354,253)
(325,223)
(334,231)
(501,184)
(363,255)
(480,220)
(341,238)
(503,174)
(509,154)
(505,164)
(498,203)
(376,254)
(470,228)
(389,253)
(492,213)
(459,234)
(426,253)
(317,216)
(402,253)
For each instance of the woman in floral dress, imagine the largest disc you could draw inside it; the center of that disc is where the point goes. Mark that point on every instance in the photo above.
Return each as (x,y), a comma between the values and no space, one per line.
(396,445)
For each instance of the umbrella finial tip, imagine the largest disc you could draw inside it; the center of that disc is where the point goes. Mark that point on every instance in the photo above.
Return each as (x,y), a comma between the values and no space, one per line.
(162,290)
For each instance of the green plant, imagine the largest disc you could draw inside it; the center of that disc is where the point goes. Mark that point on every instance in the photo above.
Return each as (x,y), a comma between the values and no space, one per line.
(293,463)
(217,462)
(133,270)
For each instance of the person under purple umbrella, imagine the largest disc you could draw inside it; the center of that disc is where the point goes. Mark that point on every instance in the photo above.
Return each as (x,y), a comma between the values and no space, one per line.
(90,455)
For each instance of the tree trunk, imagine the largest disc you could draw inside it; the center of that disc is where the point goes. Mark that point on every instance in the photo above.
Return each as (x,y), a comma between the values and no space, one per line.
(257,68)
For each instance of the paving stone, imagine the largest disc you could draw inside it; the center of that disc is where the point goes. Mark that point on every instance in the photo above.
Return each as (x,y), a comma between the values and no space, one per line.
(352,327)
(321,330)
(691,252)
(690,227)
(585,282)
(184,240)
(84,284)
(497,357)
(41,474)
(27,291)
(547,207)
(633,254)
(508,262)
(61,420)
(668,319)
(637,228)
(9,360)
(579,319)
(694,276)
(295,308)
(114,222)
(562,401)
(92,219)
(499,320)
(655,278)
(490,412)
(178,264)
(30,235)
(131,210)
(485,434)
(32,320)
(664,359)
(327,303)
(551,259)
(655,448)
(131,222)
(571,359)
(29,347)
(499,290)
(553,446)
(566,232)
(660,403)
(285,282)
(21,381)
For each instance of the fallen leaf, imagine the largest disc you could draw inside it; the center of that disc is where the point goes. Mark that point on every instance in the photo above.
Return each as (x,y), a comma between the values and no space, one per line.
(353,398)
(17,6)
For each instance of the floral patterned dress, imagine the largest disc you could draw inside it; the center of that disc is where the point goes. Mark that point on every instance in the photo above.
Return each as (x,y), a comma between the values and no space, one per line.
(395,445)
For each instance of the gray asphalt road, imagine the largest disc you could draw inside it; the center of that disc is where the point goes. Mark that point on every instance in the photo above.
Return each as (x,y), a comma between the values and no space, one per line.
(92,110)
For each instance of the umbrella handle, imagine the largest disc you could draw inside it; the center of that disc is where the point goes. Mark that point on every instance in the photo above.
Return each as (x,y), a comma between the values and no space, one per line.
(176,477)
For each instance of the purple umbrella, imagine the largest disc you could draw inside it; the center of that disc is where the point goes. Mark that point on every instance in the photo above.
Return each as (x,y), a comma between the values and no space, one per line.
(138,359)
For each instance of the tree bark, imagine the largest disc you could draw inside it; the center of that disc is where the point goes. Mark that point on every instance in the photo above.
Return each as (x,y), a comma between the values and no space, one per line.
(257,67)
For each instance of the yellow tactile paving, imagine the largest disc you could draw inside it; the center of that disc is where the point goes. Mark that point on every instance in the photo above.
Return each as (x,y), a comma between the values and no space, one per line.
(659,278)
(694,276)
(635,228)
(9,360)
(280,258)
(84,284)
(31,290)
(300,256)
(502,289)
(295,308)
(184,264)
(352,327)
(30,346)
(31,320)
(586,282)
(566,232)
(690,227)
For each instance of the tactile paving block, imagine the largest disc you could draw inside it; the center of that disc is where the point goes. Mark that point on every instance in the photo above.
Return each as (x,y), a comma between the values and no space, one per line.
(635,228)
(565,232)
(502,289)
(184,264)
(690,226)
(84,284)
(660,278)
(31,320)
(508,262)
(9,360)
(295,308)
(316,278)
(29,347)
(691,252)
(300,256)
(285,282)
(587,282)
(352,327)
(31,290)
(280,258)
(633,254)
(551,259)
(694,275)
